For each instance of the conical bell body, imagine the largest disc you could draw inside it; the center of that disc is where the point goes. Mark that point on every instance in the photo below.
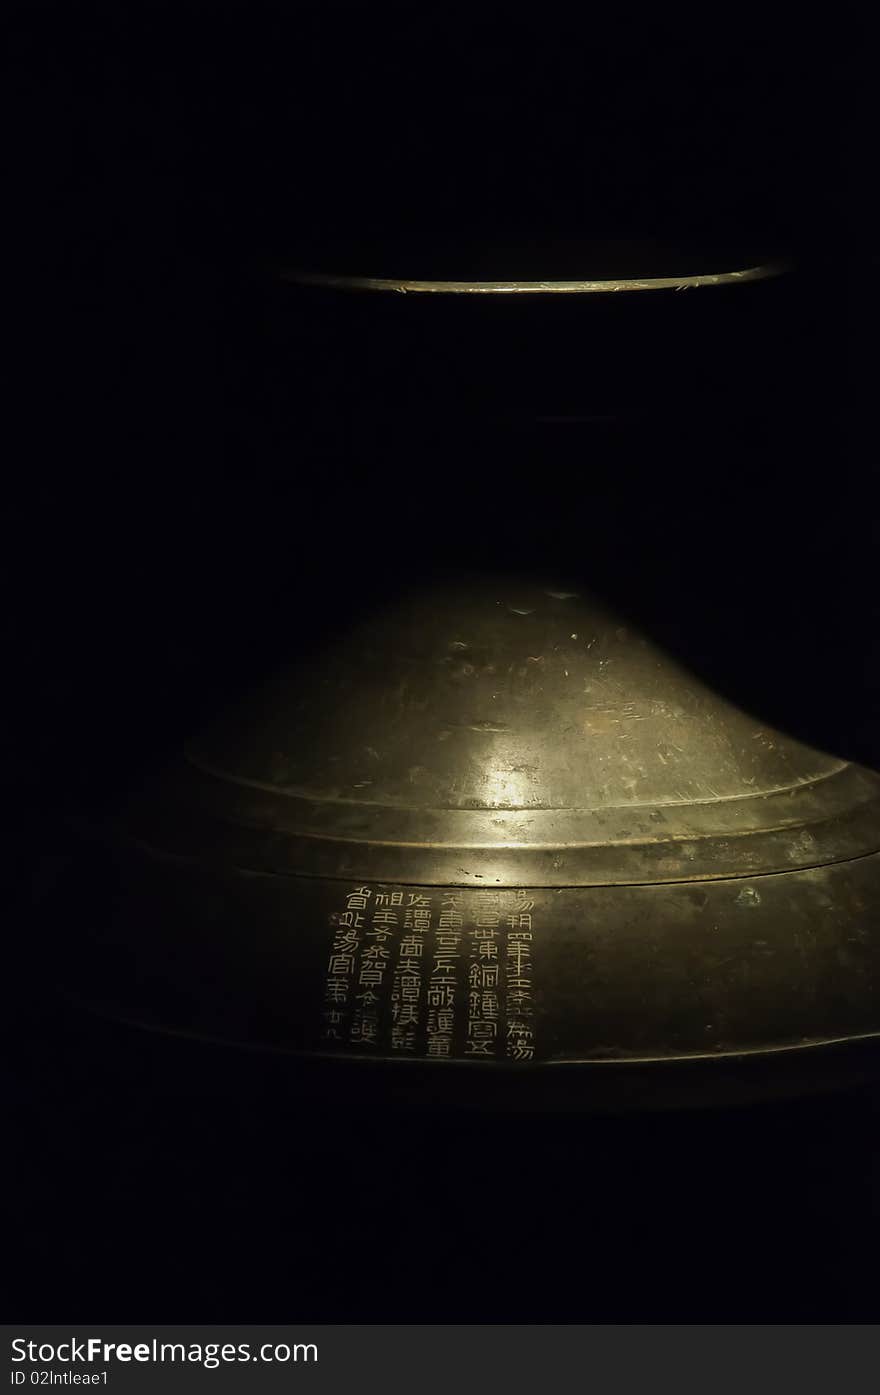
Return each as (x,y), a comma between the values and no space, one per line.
(491,826)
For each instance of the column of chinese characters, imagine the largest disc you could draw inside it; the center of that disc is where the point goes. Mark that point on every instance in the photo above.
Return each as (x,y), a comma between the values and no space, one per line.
(407,987)
(443,982)
(483,970)
(375,960)
(520,1005)
(348,925)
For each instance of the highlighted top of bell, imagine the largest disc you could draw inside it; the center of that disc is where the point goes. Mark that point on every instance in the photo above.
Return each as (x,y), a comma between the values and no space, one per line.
(508,734)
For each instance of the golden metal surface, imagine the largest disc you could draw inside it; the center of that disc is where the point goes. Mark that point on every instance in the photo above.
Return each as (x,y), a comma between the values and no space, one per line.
(591,858)
(502,733)
(604,286)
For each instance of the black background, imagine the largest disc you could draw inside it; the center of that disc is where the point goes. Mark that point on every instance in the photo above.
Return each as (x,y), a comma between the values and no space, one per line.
(188,479)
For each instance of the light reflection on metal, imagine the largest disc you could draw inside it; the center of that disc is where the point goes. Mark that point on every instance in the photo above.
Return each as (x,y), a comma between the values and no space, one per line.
(605,286)
(660,878)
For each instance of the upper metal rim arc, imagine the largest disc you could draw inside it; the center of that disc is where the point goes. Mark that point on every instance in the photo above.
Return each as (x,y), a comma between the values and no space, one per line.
(608,285)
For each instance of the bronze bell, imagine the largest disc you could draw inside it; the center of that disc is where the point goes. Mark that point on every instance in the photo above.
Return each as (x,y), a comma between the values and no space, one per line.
(493,826)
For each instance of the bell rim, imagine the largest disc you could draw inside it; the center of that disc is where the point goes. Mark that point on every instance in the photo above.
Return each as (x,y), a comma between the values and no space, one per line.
(334,281)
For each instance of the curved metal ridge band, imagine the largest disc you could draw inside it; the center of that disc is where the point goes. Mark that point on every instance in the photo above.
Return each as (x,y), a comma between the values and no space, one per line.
(476,882)
(606,286)
(303,796)
(260,834)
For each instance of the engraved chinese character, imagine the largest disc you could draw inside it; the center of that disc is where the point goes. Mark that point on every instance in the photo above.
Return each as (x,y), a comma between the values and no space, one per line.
(376,954)
(340,964)
(444,968)
(440,996)
(449,942)
(365,1031)
(417,919)
(368,975)
(353,918)
(520,921)
(488,919)
(520,1042)
(518,958)
(519,990)
(483,975)
(406,1014)
(489,1005)
(482,1031)
(384,918)
(347,941)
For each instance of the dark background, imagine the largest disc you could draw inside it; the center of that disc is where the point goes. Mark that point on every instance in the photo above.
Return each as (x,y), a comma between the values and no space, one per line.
(196,453)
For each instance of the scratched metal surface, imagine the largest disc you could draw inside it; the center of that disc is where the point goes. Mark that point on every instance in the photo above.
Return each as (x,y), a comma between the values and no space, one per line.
(501,733)
(613,285)
(491,826)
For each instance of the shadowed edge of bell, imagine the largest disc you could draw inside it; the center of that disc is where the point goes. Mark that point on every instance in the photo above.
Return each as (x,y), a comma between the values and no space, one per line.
(686,1081)
(744,1053)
